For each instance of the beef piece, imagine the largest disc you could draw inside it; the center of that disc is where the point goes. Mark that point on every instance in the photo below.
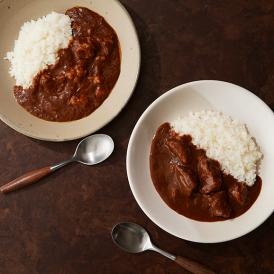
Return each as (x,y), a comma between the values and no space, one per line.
(201,201)
(237,192)
(209,173)
(186,180)
(218,205)
(178,149)
(173,190)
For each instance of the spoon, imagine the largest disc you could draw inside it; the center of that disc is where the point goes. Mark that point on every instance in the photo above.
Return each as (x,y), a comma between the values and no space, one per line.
(90,151)
(135,239)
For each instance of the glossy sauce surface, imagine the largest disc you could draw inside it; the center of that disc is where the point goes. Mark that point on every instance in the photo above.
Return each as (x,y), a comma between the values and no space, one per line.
(83,76)
(194,185)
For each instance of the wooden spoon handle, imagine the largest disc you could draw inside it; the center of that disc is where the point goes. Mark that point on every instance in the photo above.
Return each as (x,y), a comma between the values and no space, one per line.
(26,179)
(193,266)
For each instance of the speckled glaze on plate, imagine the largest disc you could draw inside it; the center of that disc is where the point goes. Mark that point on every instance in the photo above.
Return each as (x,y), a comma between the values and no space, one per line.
(13,14)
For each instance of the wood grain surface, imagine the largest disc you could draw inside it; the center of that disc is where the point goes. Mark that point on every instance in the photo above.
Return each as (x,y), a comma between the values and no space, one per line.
(62,225)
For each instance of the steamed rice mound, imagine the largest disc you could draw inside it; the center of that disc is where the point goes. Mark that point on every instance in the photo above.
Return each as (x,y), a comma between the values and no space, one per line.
(37,46)
(225,140)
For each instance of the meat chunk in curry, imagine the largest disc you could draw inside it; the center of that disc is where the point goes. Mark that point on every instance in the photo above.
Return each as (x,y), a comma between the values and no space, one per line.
(209,172)
(218,204)
(185,179)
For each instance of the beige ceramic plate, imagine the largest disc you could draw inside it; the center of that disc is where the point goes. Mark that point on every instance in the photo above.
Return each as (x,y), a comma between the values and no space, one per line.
(13,13)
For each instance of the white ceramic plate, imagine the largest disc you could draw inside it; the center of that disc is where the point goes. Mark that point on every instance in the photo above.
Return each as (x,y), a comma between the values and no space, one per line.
(195,96)
(13,13)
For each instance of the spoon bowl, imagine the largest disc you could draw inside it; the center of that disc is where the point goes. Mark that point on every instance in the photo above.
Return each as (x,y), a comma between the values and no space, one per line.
(131,237)
(94,149)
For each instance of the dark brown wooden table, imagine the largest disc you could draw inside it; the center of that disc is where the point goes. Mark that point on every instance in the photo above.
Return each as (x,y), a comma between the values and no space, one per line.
(62,224)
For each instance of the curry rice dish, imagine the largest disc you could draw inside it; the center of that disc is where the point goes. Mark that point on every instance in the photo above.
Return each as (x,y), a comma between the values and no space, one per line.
(83,76)
(195,185)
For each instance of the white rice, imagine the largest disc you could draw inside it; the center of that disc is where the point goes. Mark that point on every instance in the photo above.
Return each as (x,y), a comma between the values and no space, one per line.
(225,140)
(37,46)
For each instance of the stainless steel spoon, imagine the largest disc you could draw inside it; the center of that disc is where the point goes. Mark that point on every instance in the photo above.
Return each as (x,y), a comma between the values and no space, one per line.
(90,151)
(134,239)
